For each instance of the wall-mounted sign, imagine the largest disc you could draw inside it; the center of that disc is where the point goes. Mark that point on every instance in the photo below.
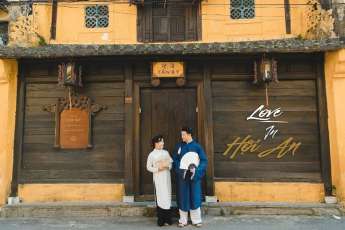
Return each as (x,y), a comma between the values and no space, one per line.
(74,128)
(73,121)
(168,69)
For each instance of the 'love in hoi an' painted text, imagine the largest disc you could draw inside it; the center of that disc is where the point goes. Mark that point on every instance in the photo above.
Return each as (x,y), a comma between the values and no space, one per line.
(249,145)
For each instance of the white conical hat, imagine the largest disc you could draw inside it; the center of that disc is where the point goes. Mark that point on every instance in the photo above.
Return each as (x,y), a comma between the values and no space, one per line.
(189,158)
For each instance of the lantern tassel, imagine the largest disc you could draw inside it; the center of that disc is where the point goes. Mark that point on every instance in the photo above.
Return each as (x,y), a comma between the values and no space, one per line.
(266,89)
(70,99)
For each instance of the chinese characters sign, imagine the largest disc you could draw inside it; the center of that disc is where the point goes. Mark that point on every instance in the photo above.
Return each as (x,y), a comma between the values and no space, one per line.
(168,69)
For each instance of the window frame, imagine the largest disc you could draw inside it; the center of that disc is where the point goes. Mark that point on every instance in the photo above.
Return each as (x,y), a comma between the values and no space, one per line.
(192,23)
(97,27)
(244,5)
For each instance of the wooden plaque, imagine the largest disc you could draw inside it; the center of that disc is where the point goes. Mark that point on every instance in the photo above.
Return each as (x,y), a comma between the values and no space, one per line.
(73,121)
(168,69)
(74,128)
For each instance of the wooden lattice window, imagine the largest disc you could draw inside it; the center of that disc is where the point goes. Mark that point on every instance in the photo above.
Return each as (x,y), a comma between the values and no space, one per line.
(166,21)
(242,9)
(96,16)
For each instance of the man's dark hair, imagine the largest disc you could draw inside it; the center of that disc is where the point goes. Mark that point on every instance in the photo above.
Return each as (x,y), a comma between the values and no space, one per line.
(156,139)
(187,130)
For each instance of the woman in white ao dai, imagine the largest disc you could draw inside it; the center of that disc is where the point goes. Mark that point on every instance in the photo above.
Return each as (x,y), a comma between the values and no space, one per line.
(159,163)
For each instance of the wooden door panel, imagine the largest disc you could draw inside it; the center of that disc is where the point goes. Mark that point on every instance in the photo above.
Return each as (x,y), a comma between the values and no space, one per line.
(145,140)
(164,111)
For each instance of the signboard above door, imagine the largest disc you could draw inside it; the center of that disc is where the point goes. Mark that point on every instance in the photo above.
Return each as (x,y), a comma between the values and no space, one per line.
(168,69)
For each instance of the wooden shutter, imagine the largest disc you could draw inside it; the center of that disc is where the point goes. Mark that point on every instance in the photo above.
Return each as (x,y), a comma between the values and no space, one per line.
(144,24)
(177,20)
(170,22)
(192,22)
(160,19)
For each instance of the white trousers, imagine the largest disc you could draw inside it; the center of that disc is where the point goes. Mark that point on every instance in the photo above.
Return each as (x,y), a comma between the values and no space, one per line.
(195,216)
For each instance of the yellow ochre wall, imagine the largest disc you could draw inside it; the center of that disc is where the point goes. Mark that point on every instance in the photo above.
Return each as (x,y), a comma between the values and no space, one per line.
(70,192)
(335,89)
(269,192)
(8,92)
(71,29)
(217,25)
(268,23)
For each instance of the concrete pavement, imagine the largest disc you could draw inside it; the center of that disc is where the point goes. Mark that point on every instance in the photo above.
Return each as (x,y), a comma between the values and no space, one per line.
(238,222)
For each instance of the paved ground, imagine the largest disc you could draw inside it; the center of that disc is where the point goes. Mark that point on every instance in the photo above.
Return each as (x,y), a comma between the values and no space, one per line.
(221,223)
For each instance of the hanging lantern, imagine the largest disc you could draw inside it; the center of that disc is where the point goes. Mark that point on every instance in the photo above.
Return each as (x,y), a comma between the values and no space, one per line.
(265,71)
(69,75)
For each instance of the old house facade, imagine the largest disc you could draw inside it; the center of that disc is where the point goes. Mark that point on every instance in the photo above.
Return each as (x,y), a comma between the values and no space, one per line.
(260,85)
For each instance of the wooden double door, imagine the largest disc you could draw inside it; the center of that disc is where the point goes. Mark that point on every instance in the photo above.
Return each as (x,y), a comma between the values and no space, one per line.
(163,111)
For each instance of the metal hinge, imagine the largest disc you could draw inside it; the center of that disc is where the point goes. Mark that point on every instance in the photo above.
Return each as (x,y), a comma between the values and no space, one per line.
(139,110)
(197,109)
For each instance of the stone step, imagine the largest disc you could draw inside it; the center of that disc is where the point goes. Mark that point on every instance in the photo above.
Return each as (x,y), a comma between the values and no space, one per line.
(111,209)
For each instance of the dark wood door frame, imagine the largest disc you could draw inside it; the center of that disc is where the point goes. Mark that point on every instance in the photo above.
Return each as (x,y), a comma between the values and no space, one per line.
(19,132)
(128,172)
(323,127)
(199,86)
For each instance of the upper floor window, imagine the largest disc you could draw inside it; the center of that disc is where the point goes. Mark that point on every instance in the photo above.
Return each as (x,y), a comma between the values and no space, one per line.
(3,33)
(242,9)
(167,21)
(96,16)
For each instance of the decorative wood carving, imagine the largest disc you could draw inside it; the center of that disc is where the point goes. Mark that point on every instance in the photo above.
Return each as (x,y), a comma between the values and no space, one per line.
(155,82)
(180,82)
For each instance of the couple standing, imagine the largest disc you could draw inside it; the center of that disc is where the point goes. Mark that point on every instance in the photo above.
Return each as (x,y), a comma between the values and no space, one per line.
(189,163)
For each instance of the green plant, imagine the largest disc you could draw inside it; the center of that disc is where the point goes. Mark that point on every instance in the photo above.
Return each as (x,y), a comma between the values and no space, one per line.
(41,40)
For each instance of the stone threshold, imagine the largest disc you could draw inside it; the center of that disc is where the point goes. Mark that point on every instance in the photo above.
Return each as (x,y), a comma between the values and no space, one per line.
(147,209)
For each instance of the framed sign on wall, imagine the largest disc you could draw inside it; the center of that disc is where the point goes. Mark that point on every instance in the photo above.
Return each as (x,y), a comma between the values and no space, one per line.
(168,69)
(73,121)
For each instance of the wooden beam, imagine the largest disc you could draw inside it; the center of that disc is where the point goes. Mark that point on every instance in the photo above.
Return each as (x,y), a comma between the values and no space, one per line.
(208,128)
(128,129)
(19,133)
(136,154)
(54,19)
(287,16)
(323,128)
